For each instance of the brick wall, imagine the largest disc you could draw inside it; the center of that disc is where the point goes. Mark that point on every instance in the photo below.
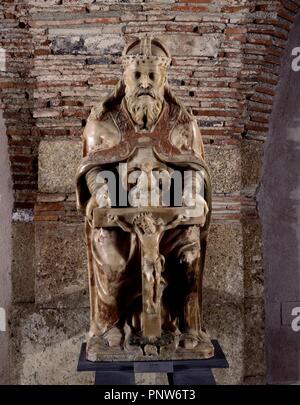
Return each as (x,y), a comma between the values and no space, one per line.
(61,56)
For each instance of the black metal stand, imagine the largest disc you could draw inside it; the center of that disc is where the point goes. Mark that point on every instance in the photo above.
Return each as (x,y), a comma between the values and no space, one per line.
(180,372)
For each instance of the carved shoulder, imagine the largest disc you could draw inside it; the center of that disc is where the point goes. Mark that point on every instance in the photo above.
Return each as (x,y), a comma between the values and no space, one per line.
(198,146)
(100,134)
(186,135)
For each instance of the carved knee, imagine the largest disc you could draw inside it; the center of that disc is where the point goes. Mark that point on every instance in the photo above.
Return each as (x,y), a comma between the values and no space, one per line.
(106,252)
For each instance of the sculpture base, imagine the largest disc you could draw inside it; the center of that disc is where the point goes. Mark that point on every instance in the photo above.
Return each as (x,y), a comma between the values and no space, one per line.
(138,348)
(180,372)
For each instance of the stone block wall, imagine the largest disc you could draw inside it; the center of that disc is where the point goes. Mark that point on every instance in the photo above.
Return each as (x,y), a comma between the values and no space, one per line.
(61,56)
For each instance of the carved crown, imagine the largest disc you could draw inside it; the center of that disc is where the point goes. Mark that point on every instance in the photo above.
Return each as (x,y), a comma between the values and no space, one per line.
(145,49)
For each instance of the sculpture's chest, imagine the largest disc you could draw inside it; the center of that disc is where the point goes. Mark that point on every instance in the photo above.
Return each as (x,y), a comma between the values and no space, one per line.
(160,139)
(172,136)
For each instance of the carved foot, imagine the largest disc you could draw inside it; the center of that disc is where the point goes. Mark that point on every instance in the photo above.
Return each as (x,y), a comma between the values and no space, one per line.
(95,345)
(189,341)
(114,337)
(108,344)
(197,345)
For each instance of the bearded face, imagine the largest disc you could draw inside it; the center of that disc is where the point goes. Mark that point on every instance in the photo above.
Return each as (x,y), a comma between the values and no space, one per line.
(144,92)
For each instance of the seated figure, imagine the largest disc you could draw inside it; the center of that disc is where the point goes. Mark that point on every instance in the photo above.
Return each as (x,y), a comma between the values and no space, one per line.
(146,251)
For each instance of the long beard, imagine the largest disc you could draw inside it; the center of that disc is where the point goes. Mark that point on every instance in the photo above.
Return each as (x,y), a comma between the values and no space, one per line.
(144,110)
